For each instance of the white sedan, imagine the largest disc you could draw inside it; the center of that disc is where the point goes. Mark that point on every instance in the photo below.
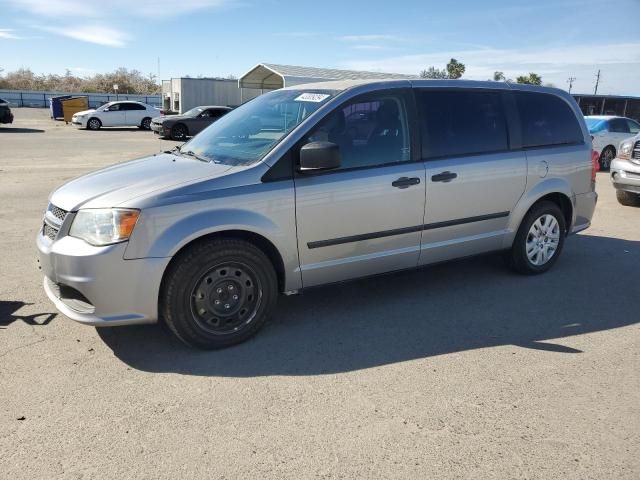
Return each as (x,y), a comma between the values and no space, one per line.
(607,132)
(117,114)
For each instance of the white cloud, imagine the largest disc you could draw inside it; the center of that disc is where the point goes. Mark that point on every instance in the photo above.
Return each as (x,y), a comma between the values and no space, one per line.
(620,64)
(97,34)
(371,47)
(8,34)
(369,38)
(115,8)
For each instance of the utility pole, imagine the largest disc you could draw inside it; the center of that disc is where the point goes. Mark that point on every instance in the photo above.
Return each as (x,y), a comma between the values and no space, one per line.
(595,90)
(571,80)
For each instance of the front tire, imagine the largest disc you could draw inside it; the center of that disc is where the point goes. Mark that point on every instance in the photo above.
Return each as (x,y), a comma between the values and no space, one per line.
(94,124)
(539,240)
(606,157)
(219,293)
(179,132)
(628,199)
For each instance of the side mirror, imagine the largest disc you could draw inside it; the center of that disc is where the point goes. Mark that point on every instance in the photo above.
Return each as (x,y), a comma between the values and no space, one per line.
(319,156)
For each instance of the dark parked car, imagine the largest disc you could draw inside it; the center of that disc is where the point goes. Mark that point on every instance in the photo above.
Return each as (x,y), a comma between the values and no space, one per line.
(179,127)
(5,112)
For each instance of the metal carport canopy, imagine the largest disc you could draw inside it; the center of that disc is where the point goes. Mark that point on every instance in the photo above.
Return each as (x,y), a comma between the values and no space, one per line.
(270,76)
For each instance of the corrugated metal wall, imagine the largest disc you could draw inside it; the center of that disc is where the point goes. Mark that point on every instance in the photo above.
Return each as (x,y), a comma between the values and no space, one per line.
(199,91)
(186,93)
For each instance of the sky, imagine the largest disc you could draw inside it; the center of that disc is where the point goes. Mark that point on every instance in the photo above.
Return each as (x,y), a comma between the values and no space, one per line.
(557,39)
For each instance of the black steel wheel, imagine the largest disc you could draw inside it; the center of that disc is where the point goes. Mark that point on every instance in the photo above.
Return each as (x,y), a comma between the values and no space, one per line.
(179,132)
(226,298)
(94,124)
(146,124)
(218,293)
(606,157)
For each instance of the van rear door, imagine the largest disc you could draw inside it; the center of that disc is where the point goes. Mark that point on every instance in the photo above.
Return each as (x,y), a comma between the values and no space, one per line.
(474,179)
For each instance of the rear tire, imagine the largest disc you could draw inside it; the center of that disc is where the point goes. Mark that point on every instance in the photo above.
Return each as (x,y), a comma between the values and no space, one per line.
(219,293)
(606,157)
(179,132)
(539,240)
(146,123)
(628,199)
(94,124)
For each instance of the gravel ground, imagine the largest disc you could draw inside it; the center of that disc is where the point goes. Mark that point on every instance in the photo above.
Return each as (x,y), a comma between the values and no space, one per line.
(462,370)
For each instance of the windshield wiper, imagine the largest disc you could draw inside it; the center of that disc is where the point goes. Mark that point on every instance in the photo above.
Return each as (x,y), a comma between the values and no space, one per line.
(191,153)
(175,149)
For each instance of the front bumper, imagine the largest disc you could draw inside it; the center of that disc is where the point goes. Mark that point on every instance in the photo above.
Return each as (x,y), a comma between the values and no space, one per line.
(78,121)
(158,129)
(625,175)
(106,290)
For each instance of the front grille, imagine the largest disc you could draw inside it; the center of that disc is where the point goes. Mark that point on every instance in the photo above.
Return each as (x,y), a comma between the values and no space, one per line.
(635,154)
(49,231)
(57,212)
(53,219)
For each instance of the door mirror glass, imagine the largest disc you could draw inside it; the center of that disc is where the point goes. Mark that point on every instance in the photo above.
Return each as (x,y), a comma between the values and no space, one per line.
(319,156)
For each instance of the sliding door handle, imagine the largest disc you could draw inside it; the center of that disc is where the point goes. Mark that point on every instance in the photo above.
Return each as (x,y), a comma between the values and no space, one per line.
(444,177)
(405,182)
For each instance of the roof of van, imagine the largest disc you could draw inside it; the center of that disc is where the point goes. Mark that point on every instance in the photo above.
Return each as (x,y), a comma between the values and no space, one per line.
(603,117)
(340,85)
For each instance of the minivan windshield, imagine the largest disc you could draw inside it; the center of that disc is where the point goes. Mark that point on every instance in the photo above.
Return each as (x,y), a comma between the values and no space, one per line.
(245,135)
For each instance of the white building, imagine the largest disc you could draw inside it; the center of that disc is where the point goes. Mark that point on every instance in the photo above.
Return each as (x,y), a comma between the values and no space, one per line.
(182,94)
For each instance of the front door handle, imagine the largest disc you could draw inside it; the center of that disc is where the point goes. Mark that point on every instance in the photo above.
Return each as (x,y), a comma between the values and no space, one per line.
(444,177)
(405,182)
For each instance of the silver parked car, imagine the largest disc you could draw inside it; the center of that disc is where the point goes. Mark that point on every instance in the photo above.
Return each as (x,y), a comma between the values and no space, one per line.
(287,192)
(625,172)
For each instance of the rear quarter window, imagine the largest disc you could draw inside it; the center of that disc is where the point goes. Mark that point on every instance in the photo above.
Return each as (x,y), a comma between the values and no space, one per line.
(547,120)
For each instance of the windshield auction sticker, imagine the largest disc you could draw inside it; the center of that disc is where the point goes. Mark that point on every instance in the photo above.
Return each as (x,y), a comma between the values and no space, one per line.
(312,97)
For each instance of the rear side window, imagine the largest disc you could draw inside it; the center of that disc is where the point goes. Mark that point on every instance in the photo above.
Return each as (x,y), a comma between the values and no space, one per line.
(547,120)
(618,125)
(462,122)
(135,106)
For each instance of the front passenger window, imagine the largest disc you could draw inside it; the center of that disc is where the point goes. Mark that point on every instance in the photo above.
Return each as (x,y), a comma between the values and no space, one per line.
(370,131)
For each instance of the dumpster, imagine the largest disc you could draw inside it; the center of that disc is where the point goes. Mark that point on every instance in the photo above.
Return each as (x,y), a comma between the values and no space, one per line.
(55,106)
(73,105)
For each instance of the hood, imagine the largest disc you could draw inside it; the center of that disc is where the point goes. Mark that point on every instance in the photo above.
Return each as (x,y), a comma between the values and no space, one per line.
(115,185)
(171,118)
(84,112)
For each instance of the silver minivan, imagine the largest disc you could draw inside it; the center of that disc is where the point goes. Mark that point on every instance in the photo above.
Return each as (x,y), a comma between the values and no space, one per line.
(315,184)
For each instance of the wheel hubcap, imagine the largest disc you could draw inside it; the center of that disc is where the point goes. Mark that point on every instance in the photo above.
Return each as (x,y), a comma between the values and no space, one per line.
(543,240)
(226,298)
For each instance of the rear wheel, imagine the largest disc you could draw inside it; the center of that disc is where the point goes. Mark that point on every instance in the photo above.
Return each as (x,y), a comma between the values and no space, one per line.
(539,240)
(628,199)
(218,293)
(606,157)
(94,124)
(146,124)
(179,132)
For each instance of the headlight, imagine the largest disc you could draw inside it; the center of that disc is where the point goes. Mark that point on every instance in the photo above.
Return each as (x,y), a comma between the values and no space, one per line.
(625,149)
(104,226)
